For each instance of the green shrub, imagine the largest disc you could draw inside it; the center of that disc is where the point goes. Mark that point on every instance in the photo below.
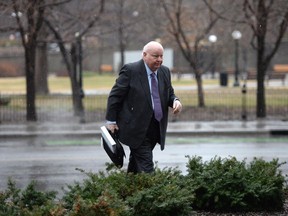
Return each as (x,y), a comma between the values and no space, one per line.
(28,202)
(164,193)
(222,185)
(96,195)
(231,185)
(118,193)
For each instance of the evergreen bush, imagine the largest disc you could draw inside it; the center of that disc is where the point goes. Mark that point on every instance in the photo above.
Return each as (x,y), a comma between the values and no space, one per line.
(28,202)
(118,193)
(231,185)
(218,185)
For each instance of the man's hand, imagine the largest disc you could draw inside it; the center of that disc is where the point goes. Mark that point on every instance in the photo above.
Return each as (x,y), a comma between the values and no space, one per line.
(177,107)
(112,127)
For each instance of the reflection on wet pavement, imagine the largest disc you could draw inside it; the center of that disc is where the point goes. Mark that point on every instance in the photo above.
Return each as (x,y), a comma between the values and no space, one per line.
(52,162)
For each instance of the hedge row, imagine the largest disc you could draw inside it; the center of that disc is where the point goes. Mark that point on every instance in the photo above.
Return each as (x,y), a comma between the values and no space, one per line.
(218,185)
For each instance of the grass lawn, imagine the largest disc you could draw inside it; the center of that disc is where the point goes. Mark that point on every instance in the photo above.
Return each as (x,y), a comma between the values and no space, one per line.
(58,84)
(90,82)
(94,82)
(185,88)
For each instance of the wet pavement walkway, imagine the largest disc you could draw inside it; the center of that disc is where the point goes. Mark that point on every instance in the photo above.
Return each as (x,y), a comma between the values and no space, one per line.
(50,154)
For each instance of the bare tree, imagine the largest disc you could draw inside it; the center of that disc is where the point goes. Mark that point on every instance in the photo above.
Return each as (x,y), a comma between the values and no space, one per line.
(121,21)
(69,25)
(267,20)
(190,31)
(28,19)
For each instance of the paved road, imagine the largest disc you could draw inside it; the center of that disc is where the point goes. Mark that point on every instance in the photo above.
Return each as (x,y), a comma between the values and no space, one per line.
(51,161)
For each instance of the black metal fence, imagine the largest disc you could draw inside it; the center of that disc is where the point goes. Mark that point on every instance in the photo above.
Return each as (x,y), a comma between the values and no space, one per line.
(220,104)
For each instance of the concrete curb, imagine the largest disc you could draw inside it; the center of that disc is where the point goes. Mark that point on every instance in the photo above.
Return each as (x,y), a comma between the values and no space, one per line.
(217,128)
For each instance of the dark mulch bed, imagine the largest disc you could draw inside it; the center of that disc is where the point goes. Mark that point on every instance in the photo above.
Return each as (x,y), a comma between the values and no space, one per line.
(281,213)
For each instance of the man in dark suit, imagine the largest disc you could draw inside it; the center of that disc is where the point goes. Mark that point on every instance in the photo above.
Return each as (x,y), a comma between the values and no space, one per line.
(138,106)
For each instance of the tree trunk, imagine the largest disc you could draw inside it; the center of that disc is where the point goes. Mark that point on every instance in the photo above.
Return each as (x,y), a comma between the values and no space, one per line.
(41,75)
(261,69)
(77,93)
(261,65)
(261,103)
(198,77)
(30,82)
(41,68)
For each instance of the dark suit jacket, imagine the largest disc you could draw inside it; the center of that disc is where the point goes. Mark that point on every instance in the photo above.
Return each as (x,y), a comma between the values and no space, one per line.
(130,103)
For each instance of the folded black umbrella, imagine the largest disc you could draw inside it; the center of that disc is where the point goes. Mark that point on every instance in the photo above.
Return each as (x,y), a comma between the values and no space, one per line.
(112,146)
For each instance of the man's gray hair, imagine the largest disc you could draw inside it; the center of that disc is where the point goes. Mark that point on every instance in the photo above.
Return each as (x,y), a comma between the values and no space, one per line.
(151,44)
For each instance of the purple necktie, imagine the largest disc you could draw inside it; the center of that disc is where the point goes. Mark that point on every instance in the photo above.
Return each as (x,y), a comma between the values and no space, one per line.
(156,98)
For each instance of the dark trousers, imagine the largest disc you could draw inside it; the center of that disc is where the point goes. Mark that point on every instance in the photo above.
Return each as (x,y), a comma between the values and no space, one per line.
(141,159)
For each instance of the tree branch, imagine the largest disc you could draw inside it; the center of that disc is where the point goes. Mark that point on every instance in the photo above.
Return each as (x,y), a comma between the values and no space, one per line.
(96,18)
(60,43)
(282,30)
(55,3)
(21,27)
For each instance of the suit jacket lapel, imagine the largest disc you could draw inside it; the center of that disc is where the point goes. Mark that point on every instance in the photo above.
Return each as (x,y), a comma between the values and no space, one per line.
(145,83)
(161,85)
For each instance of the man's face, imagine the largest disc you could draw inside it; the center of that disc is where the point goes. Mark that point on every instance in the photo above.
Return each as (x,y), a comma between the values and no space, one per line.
(153,58)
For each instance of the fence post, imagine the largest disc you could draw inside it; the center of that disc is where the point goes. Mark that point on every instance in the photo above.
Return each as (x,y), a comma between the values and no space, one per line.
(244,95)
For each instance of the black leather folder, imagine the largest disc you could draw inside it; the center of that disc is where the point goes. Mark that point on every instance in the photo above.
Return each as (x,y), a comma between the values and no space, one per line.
(112,146)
